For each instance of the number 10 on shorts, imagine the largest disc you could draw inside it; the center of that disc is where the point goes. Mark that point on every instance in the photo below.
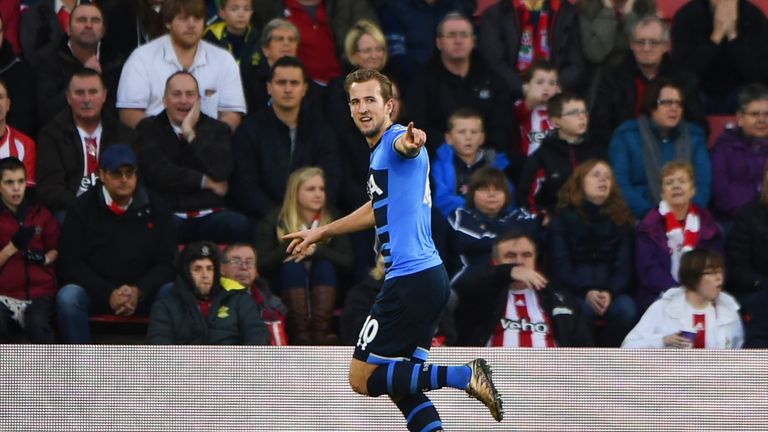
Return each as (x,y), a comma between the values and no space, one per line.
(368,332)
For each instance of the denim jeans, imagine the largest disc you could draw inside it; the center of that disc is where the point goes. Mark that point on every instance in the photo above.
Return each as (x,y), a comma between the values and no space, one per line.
(74,310)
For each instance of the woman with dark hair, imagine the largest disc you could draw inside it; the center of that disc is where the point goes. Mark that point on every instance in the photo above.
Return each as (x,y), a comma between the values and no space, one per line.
(676,226)
(660,134)
(203,308)
(591,248)
(487,214)
(739,155)
(695,315)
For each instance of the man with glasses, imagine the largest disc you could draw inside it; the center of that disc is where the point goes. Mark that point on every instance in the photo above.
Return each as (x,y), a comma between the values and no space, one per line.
(458,78)
(621,89)
(117,246)
(239,264)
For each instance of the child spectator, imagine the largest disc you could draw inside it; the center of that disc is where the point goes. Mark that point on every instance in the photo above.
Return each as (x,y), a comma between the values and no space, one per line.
(30,235)
(547,169)
(486,215)
(305,206)
(235,33)
(540,83)
(459,157)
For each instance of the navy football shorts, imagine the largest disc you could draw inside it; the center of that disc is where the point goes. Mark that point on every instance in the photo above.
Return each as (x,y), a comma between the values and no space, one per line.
(404,317)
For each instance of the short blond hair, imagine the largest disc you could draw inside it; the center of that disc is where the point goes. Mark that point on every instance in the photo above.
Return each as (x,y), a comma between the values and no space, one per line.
(363,27)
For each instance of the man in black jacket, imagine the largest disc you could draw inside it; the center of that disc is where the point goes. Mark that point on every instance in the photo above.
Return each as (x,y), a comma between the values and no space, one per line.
(457,77)
(723,43)
(69,146)
(621,88)
(116,248)
(277,140)
(205,309)
(185,156)
(511,304)
(83,48)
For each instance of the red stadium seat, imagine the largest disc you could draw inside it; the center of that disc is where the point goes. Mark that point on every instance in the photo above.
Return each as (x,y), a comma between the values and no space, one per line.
(482,5)
(717,124)
(115,319)
(762,4)
(666,9)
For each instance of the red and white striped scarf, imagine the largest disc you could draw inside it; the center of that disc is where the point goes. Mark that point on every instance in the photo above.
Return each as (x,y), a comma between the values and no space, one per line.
(534,40)
(680,239)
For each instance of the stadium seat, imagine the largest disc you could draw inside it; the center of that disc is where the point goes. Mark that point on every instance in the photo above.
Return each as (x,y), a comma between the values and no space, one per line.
(717,124)
(115,319)
(666,9)
(482,5)
(762,4)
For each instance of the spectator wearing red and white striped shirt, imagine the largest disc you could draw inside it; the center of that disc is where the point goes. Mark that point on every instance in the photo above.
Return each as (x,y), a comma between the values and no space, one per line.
(14,143)
(510,304)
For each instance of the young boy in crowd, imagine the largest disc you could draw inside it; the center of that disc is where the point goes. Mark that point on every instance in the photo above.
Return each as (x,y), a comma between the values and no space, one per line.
(28,237)
(235,33)
(563,148)
(540,83)
(459,157)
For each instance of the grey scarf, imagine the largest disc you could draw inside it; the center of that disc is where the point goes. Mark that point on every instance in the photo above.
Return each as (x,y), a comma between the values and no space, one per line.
(652,155)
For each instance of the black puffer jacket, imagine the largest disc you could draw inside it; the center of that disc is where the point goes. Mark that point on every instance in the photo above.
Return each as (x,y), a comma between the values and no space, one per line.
(746,252)
(589,251)
(234,318)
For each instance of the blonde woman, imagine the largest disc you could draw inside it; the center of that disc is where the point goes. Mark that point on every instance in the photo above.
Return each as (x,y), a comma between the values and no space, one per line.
(312,281)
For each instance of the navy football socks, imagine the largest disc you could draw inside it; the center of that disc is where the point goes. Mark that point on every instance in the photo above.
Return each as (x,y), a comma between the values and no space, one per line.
(419,413)
(409,378)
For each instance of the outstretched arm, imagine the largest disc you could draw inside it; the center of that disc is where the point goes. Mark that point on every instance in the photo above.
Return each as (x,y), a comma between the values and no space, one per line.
(358,220)
(410,143)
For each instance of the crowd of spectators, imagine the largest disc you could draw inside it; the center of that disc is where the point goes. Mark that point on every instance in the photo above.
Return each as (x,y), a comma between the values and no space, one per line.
(151,150)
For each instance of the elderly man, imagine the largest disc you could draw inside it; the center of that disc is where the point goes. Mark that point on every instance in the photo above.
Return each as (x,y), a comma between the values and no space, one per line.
(620,92)
(239,263)
(142,82)
(69,146)
(117,247)
(83,49)
(510,304)
(185,157)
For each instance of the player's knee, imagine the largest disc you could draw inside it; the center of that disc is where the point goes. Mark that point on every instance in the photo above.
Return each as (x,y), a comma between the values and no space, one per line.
(359,385)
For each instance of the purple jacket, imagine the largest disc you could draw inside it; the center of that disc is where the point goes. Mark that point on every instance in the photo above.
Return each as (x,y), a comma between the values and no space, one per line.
(653,255)
(738,166)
